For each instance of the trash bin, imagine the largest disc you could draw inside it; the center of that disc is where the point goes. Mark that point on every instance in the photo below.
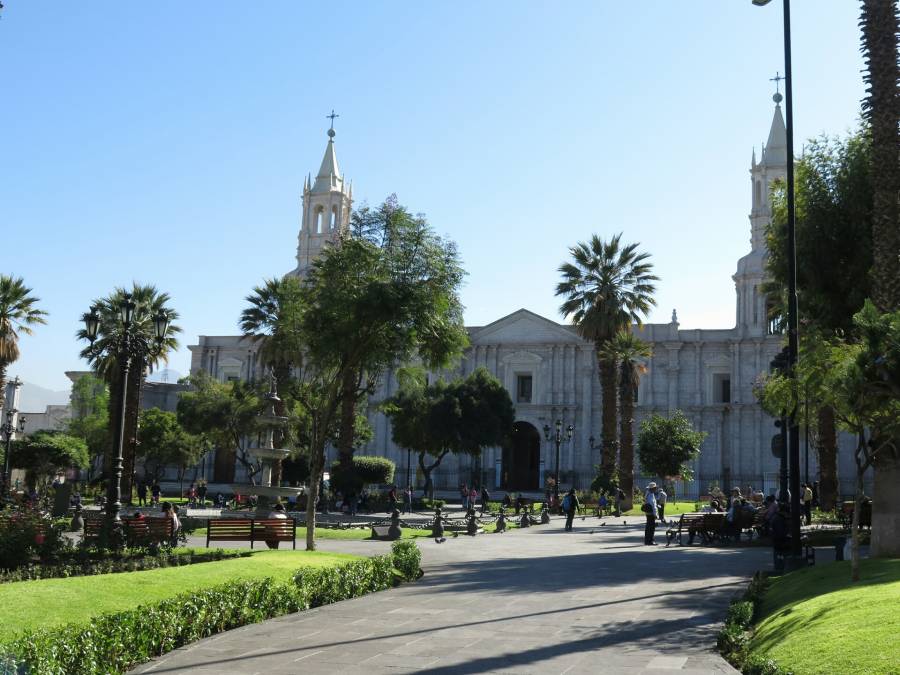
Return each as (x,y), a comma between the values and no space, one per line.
(839,543)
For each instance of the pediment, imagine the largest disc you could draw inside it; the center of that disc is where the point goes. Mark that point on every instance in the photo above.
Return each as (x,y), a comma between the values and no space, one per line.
(230,362)
(521,357)
(524,327)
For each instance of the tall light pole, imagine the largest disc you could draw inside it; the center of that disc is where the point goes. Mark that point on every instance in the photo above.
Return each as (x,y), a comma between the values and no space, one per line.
(557,437)
(9,429)
(793,343)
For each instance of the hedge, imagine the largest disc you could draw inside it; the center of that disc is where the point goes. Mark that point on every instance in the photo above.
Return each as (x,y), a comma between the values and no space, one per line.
(114,643)
(367,470)
(733,638)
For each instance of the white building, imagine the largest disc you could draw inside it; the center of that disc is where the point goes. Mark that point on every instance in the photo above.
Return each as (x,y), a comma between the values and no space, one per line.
(551,373)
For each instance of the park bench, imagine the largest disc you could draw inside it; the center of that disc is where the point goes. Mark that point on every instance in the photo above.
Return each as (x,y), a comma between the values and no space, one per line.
(865,515)
(252,530)
(589,509)
(708,525)
(143,532)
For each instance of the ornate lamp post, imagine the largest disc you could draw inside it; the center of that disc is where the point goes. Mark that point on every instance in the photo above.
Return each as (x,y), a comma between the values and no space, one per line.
(793,338)
(122,349)
(9,429)
(558,437)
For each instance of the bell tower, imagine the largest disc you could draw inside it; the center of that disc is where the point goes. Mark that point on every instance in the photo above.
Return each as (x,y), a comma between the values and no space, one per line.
(326,208)
(751,314)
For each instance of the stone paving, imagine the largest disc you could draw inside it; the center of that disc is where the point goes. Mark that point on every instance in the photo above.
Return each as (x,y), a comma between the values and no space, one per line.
(532,601)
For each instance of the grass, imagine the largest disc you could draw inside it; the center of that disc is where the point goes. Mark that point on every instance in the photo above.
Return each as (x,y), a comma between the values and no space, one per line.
(672,509)
(50,602)
(817,621)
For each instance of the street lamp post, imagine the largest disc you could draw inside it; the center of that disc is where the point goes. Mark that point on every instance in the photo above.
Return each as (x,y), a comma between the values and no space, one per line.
(9,429)
(793,345)
(557,437)
(123,352)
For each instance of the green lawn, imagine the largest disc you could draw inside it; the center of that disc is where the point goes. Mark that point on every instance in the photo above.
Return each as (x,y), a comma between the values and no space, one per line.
(672,509)
(817,621)
(49,602)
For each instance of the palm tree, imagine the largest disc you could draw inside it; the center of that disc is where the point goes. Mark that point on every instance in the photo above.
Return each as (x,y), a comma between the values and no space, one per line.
(17,314)
(607,287)
(146,355)
(272,320)
(629,352)
(881,108)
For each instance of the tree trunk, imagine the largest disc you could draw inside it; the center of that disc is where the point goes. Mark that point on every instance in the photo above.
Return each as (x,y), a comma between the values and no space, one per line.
(886,506)
(826,446)
(132,413)
(626,441)
(112,409)
(608,419)
(282,377)
(316,460)
(857,510)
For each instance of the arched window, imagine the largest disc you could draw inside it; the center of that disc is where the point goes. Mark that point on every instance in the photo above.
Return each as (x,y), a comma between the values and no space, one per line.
(334,217)
(758,201)
(317,225)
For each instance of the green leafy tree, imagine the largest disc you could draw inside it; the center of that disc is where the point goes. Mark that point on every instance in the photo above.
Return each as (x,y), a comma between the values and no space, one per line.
(364,308)
(463,417)
(629,352)
(667,444)
(90,413)
(834,232)
(18,313)
(607,287)
(880,26)
(44,453)
(163,442)
(225,415)
(146,354)
(367,470)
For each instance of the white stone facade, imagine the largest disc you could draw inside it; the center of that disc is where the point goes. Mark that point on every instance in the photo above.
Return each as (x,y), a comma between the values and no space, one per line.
(707,373)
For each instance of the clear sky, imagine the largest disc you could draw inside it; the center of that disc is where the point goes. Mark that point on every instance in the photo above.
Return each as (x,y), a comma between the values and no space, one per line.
(166,142)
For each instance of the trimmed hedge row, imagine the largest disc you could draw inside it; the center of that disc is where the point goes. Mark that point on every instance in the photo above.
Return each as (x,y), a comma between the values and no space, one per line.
(113,643)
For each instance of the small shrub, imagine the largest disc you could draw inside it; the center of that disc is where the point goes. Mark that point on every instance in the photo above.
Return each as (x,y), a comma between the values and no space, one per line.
(407,559)
(740,614)
(27,536)
(732,639)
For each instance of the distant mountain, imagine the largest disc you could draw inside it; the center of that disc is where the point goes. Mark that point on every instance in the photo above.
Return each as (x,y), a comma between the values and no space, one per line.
(34,398)
(165,375)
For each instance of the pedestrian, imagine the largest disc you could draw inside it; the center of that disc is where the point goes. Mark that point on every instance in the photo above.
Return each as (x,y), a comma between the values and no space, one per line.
(570,507)
(392,499)
(807,498)
(192,494)
(473,497)
(142,493)
(170,513)
(620,499)
(661,498)
(201,493)
(277,513)
(155,492)
(464,493)
(650,509)
(408,500)
(485,499)
(602,503)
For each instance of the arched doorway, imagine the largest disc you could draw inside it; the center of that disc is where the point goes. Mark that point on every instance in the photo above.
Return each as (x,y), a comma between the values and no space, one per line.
(521,459)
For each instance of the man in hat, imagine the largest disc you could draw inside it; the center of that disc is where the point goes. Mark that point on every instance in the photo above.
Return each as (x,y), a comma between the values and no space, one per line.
(650,509)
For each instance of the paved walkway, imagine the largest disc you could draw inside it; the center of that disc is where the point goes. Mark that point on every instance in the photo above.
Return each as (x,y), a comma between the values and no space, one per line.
(531,601)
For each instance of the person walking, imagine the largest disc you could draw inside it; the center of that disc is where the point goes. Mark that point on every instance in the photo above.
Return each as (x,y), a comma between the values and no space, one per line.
(201,493)
(661,498)
(485,499)
(473,497)
(392,499)
(620,498)
(408,495)
(155,491)
(650,509)
(570,507)
(807,498)
(464,494)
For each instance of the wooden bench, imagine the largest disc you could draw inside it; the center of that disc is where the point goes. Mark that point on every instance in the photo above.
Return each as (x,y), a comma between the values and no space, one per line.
(143,532)
(865,515)
(252,530)
(708,525)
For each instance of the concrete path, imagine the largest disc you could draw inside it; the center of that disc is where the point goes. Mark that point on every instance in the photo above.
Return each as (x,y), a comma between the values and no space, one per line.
(531,601)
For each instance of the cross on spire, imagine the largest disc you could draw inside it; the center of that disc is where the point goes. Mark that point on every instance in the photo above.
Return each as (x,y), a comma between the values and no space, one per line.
(331,117)
(778,79)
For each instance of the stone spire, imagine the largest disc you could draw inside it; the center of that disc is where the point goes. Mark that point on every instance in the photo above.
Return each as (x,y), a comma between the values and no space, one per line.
(329,176)
(775,153)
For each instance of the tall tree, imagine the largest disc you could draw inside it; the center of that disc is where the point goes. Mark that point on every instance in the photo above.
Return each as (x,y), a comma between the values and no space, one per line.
(164,442)
(270,321)
(44,453)
(833,184)
(667,444)
(607,287)
(880,24)
(146,354)
(630,352)
(367,307)
(18,313)
(90,414)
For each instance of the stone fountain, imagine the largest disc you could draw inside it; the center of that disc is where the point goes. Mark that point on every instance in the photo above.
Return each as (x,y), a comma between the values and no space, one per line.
(267,455)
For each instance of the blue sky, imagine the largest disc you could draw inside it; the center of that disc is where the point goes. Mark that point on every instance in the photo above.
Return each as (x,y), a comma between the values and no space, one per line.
(166,142)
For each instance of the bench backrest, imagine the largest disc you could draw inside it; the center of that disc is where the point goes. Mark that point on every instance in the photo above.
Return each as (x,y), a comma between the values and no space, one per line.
(233,529)
(278,529)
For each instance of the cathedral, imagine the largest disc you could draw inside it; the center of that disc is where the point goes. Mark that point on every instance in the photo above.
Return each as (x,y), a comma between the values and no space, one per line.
(551,372)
